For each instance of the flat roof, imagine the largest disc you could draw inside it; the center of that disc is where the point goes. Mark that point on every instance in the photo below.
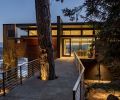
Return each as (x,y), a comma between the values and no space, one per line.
(75,25)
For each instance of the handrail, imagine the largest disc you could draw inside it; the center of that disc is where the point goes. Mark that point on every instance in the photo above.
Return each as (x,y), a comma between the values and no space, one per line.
(78,85)
(28,62)
(12,77)
(83,68)
(18,66)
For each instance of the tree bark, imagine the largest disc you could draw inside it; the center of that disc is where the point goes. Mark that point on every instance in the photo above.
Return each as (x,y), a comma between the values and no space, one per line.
(44,36)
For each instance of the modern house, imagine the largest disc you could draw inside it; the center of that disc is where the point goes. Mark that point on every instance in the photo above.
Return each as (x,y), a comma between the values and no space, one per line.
(20,40)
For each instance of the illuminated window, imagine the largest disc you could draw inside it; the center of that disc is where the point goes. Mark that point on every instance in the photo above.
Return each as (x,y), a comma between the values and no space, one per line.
(67,47)
(87,26)
(87,32)
(21,33)
(75,32)
(66,32)
(54,32)
(82,46)
(33,33)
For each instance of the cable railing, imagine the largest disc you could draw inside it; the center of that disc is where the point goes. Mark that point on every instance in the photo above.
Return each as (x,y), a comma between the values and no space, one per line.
(78,89)
(12,77)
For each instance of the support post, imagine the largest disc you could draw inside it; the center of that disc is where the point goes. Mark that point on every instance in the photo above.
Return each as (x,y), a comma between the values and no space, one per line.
(4,93)
(20,75)
(73,95)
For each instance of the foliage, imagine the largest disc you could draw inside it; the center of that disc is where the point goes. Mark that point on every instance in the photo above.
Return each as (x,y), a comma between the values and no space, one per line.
(108,39)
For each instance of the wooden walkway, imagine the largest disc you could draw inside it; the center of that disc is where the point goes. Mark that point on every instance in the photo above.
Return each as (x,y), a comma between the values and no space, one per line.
(58,89)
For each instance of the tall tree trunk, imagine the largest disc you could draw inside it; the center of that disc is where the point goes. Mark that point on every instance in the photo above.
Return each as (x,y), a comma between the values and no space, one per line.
(44,36)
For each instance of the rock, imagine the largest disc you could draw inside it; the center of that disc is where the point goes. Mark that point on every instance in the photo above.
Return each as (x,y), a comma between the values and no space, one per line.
(112,97)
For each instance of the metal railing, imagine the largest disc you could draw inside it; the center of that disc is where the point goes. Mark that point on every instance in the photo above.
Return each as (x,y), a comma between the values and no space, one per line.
(78,89)
(16,75)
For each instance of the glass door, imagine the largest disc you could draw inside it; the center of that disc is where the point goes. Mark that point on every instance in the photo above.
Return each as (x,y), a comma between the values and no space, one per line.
(67,47)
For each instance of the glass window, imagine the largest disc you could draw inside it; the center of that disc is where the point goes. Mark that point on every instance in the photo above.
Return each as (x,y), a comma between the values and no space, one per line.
(20,33)
(75,32)
(33,33)
(83,47)
(87,26)
(67,47)
(66,32)
(54,32)
(87,32)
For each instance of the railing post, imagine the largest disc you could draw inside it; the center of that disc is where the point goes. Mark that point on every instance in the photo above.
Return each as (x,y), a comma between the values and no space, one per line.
(4,93)
(73,95)
(80,91)
(20,75)
(32,71)
(83,92)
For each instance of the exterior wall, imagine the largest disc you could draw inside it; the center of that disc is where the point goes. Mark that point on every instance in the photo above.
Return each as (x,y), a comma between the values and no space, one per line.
(21,48)
(32,48)
(95,72)
(14,48)
(9,53)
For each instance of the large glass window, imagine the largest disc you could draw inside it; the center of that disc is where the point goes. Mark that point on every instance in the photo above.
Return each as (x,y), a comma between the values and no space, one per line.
(87,26)
(75,32)
(67,47)
(71,32)
(87,32)
(54,32)
(83,47)
(20,33)
(66,32)
(33,33)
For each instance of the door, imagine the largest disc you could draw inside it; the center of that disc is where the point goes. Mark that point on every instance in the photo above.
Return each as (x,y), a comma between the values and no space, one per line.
(66,47)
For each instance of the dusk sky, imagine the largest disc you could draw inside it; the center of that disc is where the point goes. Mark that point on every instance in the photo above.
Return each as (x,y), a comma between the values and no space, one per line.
(23,11)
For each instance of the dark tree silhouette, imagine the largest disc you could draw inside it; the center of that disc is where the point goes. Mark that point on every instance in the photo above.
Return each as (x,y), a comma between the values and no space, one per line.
(108,39)
(43,19)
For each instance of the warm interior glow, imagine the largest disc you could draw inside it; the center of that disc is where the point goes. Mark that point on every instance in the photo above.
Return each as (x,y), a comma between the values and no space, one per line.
(100,94)
(66,32)
(80,45)
(66,46)
(87,32)
(2,92)
(54,32)
(75,32)
(33,33)
(44,65)
(44,71)
(87,26)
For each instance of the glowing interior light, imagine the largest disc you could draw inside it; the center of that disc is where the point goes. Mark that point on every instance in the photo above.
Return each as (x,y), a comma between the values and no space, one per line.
(44,71)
